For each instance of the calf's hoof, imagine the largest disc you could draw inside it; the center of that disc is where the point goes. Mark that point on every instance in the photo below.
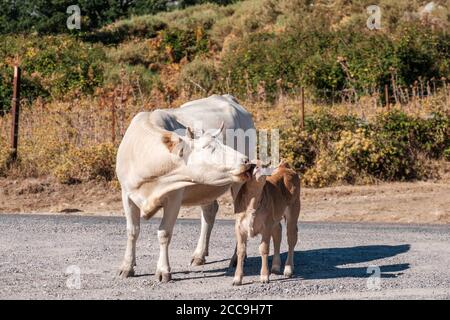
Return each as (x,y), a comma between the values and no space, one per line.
(125,273)
(276,269)
(264,279)
(288,271)
(237,281)
(163,276)
(197,261)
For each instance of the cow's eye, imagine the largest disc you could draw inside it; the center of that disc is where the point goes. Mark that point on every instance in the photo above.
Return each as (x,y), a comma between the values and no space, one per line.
(209,147)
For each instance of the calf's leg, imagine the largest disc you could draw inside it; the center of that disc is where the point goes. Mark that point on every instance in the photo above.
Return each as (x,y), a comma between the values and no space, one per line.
(241,251)
(292,236)
(264,251)
(171,210)
(132,215)
(276,236)
(208,217)
(233,260)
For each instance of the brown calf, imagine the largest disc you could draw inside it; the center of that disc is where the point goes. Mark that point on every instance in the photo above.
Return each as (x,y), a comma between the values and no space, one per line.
(261,203)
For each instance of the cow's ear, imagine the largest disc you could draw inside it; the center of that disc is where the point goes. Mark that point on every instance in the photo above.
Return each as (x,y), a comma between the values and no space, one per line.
(173,143)
(179,150)
(189,133)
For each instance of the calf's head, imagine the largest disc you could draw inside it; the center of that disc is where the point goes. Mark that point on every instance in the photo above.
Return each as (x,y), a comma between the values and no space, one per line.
(249,196)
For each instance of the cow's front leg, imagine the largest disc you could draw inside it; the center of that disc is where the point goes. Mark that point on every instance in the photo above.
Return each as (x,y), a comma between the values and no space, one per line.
(171,210)
(208,217)
(132,215)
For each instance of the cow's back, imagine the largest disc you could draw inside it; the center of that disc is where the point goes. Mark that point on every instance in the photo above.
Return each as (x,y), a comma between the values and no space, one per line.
(209,113)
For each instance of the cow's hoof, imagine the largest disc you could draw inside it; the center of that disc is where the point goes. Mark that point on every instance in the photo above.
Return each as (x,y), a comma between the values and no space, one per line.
(237,281)
(125,273)
(163,276)
(197,261)
(288,272)
(264,279)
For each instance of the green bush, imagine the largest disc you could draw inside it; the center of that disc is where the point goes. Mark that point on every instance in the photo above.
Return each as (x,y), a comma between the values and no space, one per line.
(138,77)
(199,76)
(146,26)
(325,59)
(391,147)
(88,163)
(51,66)
(180,43)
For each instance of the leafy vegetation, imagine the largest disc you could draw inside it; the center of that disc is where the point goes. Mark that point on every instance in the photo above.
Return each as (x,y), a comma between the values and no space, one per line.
(261,51)
(341,149)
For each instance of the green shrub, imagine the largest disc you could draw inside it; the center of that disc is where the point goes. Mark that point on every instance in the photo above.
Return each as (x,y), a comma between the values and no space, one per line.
(393,146)
(145,27)
(179,44)
(51,66)
(138,77)
(325,56)
(430,136)
(199,76)
(88,163)
(133,53)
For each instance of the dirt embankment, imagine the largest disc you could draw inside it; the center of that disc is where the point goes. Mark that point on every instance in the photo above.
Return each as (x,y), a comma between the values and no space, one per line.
(418,202)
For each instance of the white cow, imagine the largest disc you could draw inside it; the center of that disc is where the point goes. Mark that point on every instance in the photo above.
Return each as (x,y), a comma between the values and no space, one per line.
(161,164)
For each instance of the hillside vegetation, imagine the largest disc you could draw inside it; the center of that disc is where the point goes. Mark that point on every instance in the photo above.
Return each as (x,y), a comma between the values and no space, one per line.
(261,51)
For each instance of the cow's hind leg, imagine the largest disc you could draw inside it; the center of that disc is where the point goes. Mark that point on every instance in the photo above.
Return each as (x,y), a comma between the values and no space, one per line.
(171,210)
(208,217)
(132,215)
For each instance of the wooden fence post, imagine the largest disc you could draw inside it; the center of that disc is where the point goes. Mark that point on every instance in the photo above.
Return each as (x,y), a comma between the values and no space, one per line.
(113,122)
(302,107)
(386,96)
(15,113)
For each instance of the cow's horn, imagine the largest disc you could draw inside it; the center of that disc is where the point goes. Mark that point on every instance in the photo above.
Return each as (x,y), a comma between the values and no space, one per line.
(217,133)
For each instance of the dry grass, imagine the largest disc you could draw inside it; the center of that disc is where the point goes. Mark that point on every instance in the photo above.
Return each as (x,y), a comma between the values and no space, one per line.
(58,138)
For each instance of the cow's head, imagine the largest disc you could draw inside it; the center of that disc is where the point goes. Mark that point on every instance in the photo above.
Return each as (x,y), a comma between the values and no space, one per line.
(208,150)
(205,151)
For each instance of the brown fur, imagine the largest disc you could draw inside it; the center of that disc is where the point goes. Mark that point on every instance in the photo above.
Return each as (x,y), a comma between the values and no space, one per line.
(168,142)
(261,204)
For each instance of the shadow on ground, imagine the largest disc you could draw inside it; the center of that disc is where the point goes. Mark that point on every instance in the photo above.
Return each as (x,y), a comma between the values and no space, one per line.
(330,263)
(325,263)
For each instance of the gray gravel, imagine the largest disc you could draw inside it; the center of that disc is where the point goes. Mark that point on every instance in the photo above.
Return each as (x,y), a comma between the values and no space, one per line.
(331,261)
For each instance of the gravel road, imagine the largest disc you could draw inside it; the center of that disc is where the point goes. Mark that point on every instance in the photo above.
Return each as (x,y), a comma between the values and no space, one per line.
(332,261)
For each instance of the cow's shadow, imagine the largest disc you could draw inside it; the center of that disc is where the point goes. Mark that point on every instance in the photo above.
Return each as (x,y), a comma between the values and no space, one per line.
(328,263)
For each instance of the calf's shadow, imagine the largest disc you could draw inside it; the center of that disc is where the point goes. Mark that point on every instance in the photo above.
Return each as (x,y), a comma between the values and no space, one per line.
(328,263)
